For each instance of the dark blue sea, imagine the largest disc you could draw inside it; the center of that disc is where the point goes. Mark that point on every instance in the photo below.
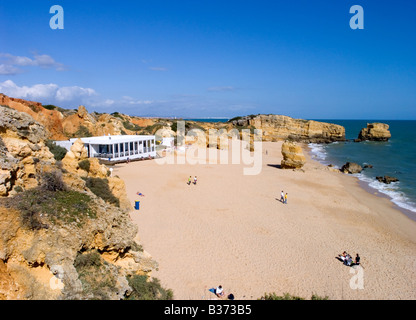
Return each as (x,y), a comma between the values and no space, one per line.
(396,158)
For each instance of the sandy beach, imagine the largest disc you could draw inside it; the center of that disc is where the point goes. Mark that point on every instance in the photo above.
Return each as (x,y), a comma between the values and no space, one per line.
(231,229)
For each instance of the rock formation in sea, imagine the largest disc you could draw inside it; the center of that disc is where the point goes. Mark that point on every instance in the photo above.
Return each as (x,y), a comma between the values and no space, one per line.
(374,132)
(351,168)
(279,127)
(293,157)
(387,179)
(65,230)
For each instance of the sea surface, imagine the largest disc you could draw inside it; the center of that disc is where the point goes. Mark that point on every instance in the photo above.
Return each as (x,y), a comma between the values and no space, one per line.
(396,158)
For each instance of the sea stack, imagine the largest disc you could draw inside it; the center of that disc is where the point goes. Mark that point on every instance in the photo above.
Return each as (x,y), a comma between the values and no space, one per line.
(351,168)
(387,179)
(374,132)
(293,157)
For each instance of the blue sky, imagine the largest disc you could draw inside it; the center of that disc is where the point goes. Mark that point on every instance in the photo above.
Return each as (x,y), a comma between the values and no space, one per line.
(214,58)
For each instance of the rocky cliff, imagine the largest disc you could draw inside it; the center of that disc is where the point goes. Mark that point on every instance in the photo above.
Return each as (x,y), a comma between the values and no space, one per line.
(279,127)
(374,132)
(293,157)
(61,235)
(23,154)
(50,119)
(61,124)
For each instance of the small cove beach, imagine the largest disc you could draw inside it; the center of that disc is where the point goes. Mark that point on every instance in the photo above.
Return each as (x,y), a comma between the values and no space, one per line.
(231,229)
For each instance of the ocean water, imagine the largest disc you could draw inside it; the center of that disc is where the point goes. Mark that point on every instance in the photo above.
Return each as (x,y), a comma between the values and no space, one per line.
(396,158)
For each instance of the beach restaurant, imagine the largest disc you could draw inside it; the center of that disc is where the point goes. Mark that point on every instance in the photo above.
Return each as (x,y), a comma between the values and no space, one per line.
(116,148)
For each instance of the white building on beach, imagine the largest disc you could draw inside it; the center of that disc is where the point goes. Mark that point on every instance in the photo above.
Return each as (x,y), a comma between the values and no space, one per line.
(116,148)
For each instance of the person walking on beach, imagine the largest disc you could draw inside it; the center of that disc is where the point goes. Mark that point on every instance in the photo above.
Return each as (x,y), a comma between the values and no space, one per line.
(195,180)
(189,181)
(285,198)
(282,197)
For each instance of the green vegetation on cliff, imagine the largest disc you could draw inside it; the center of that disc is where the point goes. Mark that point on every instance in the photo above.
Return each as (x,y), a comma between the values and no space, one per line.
(143,289)
(57,151)
(51,202)
(287,296)
(101,189)
(95,275)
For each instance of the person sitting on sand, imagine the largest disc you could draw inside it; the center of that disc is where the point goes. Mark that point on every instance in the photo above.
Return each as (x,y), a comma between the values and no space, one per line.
(140,194)
(219,291)
(357,260)
(348,260)
(343,257)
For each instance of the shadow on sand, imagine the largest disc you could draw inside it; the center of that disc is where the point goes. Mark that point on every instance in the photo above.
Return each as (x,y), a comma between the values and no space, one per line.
(277,166)
(352,265)
(278,199)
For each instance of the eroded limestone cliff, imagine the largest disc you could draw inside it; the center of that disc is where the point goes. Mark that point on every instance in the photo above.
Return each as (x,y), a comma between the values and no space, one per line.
(375,132)
(279,127)
(59,238)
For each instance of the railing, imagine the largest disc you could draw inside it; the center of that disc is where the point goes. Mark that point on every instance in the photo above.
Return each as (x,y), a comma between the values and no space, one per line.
(103,155)
(143,152)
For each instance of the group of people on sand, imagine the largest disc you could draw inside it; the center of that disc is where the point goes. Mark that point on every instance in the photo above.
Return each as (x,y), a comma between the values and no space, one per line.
(283,197)
(347,259)
(190,180)
(219,292)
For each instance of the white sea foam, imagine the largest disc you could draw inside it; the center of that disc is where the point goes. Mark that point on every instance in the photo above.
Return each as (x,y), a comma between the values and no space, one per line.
(392,190)
(318,152)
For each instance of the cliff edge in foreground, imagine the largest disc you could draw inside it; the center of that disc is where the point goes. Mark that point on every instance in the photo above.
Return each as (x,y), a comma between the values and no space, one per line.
(64,235)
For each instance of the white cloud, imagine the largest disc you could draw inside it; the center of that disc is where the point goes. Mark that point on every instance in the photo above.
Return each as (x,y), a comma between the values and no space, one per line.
(37,91)
(45,61)
(6,69)
(48,93)
(132,101)
(73,96)
(10,63)
(71,93)
(68,97)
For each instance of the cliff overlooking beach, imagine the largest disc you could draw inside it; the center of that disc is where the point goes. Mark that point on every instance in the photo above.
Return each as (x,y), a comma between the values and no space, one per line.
(65,220)
(65,232)
(62,124)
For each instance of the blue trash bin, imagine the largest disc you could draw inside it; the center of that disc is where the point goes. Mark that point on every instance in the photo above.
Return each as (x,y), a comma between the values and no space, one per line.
(137,205)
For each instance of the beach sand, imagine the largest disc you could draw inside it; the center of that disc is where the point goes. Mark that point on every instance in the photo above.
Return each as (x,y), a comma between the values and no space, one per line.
(231,229)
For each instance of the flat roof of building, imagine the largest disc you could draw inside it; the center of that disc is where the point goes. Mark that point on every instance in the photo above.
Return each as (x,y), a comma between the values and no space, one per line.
(113,139)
